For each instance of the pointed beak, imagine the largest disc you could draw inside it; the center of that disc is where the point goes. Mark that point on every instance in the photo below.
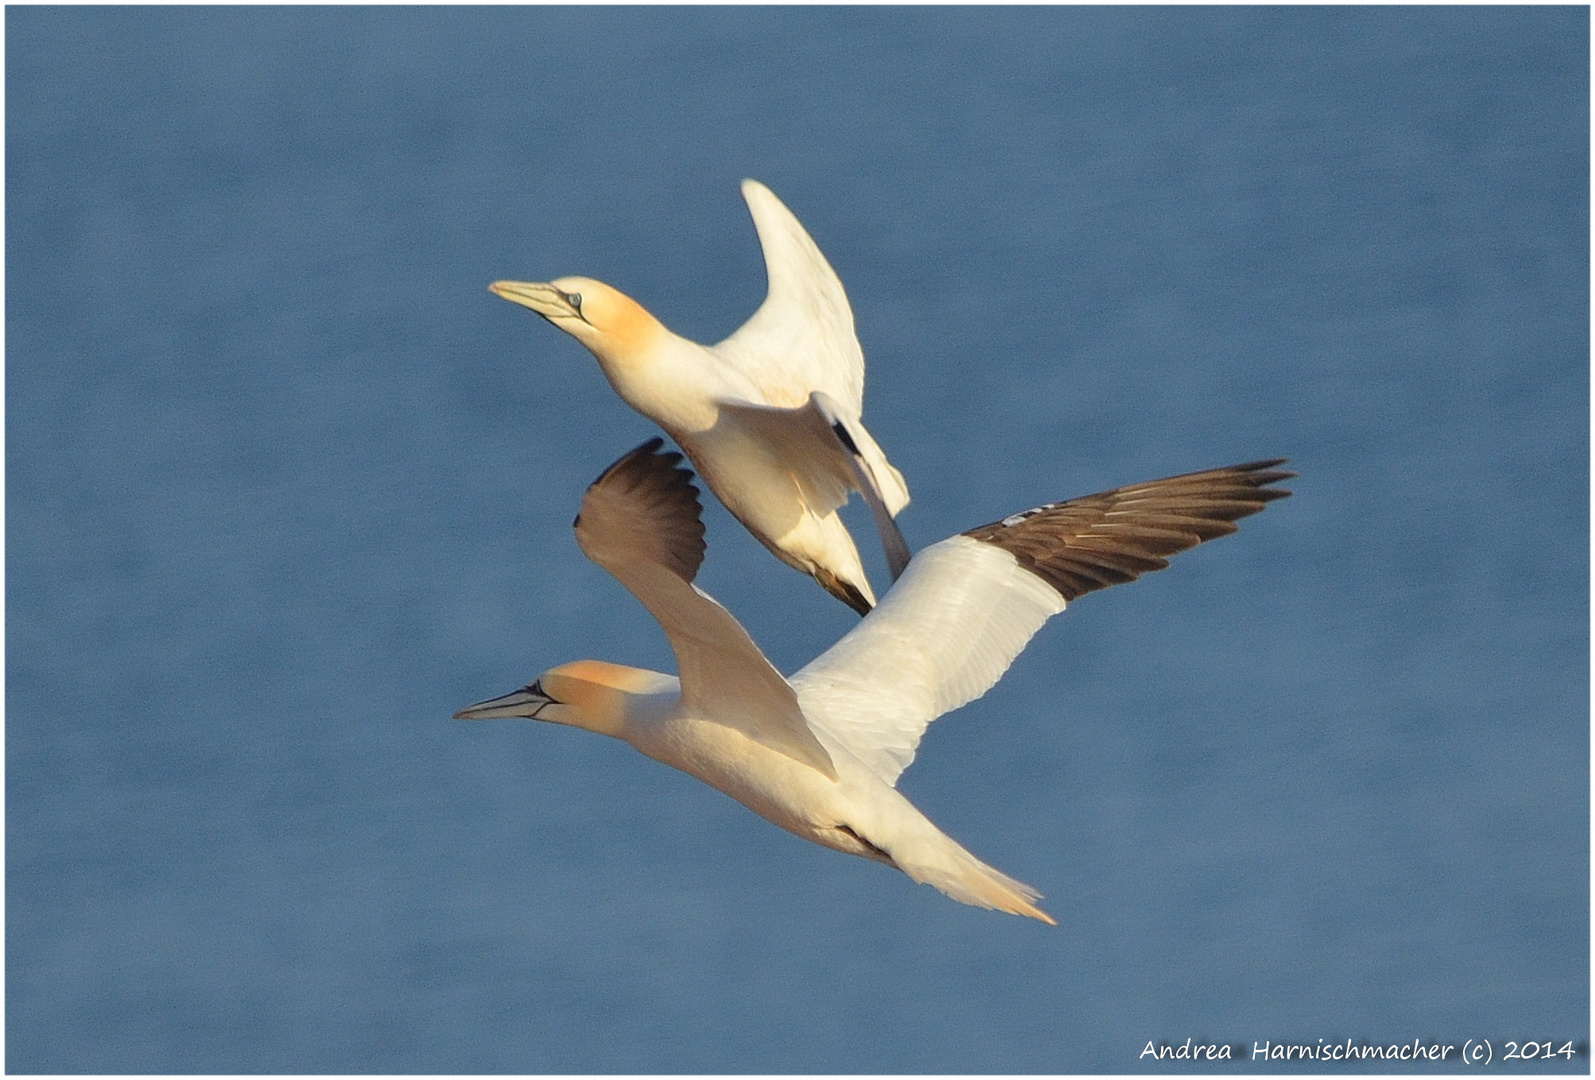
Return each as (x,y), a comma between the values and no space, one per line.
(526,702)
(542,298)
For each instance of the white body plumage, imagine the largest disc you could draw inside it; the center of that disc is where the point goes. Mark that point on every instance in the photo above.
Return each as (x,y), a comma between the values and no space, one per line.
(745,410)
(868,700)
(820,754)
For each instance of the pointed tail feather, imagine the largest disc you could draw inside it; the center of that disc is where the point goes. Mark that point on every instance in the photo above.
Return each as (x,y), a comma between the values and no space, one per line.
(966,879)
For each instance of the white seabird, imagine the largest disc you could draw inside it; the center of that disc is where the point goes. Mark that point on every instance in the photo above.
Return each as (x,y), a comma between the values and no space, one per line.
(819,754)
(771,416)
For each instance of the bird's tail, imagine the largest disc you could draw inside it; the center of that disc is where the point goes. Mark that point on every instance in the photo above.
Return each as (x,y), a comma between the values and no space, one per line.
(965,878)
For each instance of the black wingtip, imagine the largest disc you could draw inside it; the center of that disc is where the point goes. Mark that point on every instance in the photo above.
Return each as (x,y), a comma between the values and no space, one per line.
(644,450)
(647,448)
(893,544)
(657,496)
(1095,541)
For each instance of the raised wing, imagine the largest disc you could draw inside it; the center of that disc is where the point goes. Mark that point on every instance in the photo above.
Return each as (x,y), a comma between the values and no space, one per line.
(969,604)
(801,339)
(640,521)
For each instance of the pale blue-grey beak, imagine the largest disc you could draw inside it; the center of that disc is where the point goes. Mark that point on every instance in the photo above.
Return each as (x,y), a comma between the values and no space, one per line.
(549,302)
(526,702)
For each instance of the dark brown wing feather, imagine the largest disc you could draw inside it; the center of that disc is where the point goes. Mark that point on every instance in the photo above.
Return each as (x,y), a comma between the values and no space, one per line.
(1116,536)
(644,509)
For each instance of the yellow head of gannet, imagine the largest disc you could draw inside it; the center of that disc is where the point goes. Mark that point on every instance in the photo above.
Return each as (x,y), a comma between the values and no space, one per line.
(772,416)
(591,694)
(620,332)
(820,754)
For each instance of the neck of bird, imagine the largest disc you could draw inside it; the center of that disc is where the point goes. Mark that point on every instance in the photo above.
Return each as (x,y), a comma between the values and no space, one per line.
(670,380)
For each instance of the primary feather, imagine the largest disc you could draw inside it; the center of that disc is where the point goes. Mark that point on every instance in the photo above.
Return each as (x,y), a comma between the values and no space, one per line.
(772,417)
(820,754)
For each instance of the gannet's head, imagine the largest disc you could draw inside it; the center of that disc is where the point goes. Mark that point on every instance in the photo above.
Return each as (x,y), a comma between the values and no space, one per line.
(611,324)
(587,694)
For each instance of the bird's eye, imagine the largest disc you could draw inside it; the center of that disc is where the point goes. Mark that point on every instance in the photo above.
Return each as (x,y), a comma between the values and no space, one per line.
(574,299)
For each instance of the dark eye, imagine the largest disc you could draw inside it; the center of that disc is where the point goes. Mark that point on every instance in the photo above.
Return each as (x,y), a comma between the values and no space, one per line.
(574,299)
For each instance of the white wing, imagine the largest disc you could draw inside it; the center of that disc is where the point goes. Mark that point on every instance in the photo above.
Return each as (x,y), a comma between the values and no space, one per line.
(968,605)
(826,456)
(640,521)
(801,339)
(943,636)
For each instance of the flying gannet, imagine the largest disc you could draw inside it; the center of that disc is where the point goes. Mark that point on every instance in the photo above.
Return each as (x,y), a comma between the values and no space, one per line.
(819,754)
(771,416)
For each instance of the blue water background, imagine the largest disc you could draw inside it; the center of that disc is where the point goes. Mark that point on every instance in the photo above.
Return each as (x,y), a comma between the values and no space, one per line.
(287,487)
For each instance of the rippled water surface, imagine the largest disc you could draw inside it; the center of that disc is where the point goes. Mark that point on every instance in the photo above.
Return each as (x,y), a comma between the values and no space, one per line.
(287,486)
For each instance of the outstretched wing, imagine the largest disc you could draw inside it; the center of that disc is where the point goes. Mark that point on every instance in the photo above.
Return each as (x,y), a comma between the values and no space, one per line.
(801,339)
(969,604)
(640,521)
(942,636)
(1099,540)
